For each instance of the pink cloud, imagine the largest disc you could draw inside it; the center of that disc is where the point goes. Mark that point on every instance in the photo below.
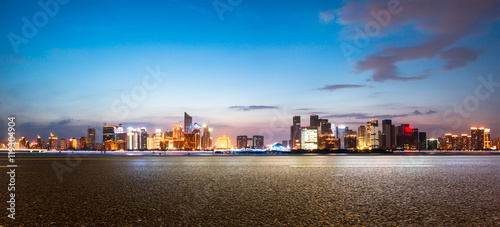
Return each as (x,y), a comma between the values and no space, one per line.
(443,22)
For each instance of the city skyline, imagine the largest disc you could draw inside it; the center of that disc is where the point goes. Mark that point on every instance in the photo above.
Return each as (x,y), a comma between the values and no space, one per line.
(245,69)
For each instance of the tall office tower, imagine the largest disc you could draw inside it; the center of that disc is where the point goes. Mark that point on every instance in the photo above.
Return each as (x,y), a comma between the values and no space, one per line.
(206,140)
(388,135)
(309,138)
(314,121)
(53,142)
(372,129)
(449,141)
(197,138)
(295,133)
(414,139)
(325,127)
(487,139)
(178,131)
(82,143)
(477,140)
(108,133)
(241,142)
(341,135)
(350,140)
(188,123)
(258,142)
(91,138)
(422,141)
(361,137)
(432,144)
(465,142)
(158,138)
(63,144)
(143,139)
(368,135)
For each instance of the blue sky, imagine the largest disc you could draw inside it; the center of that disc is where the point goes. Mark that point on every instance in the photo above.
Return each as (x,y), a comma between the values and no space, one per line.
(275,55)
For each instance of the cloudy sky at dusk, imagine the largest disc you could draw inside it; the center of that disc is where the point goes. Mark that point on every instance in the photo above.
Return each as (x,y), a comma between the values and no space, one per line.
(248,68)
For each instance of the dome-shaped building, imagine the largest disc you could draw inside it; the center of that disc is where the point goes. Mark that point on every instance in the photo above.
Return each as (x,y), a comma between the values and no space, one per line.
(223,142)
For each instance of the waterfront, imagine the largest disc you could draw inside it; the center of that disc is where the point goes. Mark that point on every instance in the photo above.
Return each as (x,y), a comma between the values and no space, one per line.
(257,190)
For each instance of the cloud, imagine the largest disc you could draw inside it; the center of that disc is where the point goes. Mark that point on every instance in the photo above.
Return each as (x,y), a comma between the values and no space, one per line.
(381,116)
(304,109)
(431,112)
(416,112)
(253,107)
(340,86)
(326,17)
(441,23)
(458,57)
(60,123)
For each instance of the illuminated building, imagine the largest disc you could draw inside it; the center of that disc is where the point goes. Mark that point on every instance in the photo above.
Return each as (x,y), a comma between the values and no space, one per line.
(53,142)
(362,137)
(477,138)
(309,138)
(22,143)
(192,140)
(350,140)
(414,139)
(487,141)
(206,140)
(341,130)
(132,143)
(325,127)
(295,133)
(432,144)
(328,142)
(157,139)
(372,138)
(108,133)
(120,134)
(241,142)
(75,143)
(82,143)
(405,137)
(178,131)
(91,138)
(258,142)
(223,142)
(188,121)
(143,139)
(63,144)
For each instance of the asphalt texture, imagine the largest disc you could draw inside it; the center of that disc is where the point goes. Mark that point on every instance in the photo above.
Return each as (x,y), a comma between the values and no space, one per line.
(255,191)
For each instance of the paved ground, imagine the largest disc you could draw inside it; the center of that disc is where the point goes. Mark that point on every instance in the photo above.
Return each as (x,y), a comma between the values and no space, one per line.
(257,190)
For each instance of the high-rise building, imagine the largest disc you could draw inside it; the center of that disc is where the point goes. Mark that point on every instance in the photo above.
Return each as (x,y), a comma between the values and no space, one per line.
(108,133)
(341,135)
(309,138)
(53,142)
(477,140)
(258,142)
(158,138)
(388,135)
(295,133)
(328,142)
(91,138)
(487,139)
(432,144)
(188,123)
(361,137)
(178,131)
(143,139)
(63,144)
(206,140)
(325,127)
(372,131)
(241,142)
(422,141)
(314,121)
(350,140)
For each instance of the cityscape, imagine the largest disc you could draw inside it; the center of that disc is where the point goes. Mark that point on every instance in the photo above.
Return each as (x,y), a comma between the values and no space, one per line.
(318,135)
(250,113)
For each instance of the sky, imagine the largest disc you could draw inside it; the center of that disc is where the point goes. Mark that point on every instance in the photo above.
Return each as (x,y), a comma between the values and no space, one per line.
(247,67)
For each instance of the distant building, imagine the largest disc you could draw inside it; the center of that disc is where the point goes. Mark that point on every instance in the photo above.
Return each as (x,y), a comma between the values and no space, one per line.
(223,142)
(309,138)
(422,141)
(91,138)
(477,138)
(388,135)
(328,142)
(206,140)
(350,140)
(372,134)
(362,137)
(108,133)
(63,144)
(188,123)
(295,133)
(241,142)
(53,142)
(432,144)
(258,142)
(143,140)
(314,121)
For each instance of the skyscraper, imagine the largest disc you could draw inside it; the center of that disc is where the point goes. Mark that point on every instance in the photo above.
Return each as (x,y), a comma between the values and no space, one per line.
(372,129)
(241,142)
(188,123)
(108,133)
(295,133)
(258,142)
(361,137)
(422,141)
(143,141)
(314,121)
(309,138)
(53,142)
(388,135)
(91,138)
(477,140)
(206,140)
